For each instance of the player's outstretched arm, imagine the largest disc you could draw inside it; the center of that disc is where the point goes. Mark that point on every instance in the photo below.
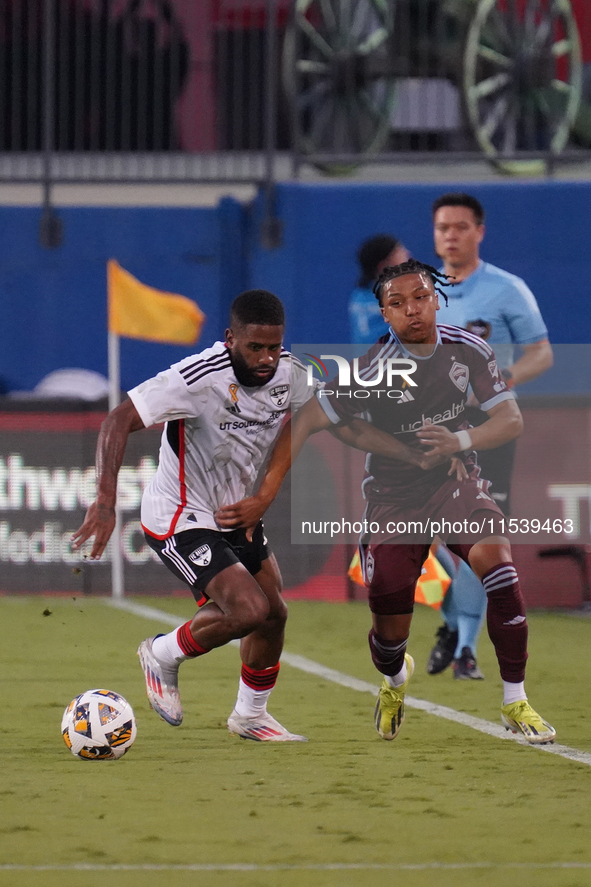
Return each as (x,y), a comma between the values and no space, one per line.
(110,449)
(308,420)
(505,423)
(363,436)
(360,435)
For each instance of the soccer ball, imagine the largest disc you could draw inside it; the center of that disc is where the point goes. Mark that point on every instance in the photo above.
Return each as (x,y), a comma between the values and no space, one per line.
(99,725)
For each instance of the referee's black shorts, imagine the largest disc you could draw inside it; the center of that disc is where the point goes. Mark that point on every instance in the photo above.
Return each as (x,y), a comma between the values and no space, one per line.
(196,556)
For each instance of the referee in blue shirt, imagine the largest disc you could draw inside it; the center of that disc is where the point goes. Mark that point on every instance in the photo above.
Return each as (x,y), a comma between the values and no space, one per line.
(500,308)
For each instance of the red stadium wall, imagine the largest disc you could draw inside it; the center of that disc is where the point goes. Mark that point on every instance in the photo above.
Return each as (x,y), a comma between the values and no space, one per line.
(552,479)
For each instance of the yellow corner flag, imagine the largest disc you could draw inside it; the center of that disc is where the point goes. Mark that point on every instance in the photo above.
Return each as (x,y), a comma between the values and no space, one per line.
(142,312)
(354,573)
(430,588)
(432,584)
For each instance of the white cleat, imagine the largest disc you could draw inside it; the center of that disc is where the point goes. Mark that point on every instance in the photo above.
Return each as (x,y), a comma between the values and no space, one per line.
(262,728)
(161,685)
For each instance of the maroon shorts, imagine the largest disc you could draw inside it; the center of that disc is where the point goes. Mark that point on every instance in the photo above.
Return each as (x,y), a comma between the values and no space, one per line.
(446,514)
(392,559)
(391,573)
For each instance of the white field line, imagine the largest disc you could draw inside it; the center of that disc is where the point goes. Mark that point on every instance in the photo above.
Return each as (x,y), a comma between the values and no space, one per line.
(337,677)
(320,867)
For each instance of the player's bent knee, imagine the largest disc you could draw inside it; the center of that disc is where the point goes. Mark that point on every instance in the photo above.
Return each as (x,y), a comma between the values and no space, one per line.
(274,624)
(488,553)
(249,615)
(278,614)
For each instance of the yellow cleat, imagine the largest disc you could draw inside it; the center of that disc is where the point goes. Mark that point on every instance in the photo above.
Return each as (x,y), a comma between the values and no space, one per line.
(519,717)
(389,713)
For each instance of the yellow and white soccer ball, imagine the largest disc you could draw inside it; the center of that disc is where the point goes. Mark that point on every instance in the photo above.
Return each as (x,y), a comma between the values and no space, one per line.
(99,725)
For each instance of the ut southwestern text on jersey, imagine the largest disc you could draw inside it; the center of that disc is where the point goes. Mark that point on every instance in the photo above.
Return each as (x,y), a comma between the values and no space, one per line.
(250,423)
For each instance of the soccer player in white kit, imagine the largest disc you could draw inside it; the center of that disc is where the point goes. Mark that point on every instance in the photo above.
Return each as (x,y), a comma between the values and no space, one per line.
(223,410)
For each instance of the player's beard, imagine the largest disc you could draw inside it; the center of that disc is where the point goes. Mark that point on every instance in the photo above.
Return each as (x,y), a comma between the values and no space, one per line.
(247,376)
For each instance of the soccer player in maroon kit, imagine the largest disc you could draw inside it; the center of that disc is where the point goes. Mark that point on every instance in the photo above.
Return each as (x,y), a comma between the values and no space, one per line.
(410,481)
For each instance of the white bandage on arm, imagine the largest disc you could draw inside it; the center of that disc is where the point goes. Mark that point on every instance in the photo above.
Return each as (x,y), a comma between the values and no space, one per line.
(464,441)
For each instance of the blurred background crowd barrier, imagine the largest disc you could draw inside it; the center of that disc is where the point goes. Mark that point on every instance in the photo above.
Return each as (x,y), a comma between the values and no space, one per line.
(222,90)
(47,481)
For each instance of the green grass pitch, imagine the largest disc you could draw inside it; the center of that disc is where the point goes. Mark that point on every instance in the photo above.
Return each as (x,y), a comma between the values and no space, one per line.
(478,810)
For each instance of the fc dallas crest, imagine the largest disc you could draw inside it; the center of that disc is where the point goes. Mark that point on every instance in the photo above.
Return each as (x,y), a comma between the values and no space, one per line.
(279,394)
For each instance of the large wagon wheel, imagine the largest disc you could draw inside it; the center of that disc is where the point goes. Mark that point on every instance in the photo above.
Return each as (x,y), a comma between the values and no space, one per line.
(338,77)
(522,78)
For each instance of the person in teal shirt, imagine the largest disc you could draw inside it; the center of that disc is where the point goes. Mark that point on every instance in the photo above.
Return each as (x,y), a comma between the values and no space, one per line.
(365,317)
(498,307)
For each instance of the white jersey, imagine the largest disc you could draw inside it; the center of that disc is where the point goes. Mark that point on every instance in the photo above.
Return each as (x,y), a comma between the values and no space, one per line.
(216,438)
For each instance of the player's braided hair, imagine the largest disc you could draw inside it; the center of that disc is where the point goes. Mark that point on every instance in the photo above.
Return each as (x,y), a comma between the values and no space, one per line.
(412,266)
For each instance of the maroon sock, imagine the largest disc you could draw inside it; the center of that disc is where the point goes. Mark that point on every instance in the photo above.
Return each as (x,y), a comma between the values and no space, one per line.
(505,617)
(387,656)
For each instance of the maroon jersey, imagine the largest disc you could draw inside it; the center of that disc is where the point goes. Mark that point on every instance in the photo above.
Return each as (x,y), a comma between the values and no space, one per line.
(442,380)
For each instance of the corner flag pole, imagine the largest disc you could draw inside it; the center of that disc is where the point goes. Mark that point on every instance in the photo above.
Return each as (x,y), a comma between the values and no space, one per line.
(138,311)
(117,585)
